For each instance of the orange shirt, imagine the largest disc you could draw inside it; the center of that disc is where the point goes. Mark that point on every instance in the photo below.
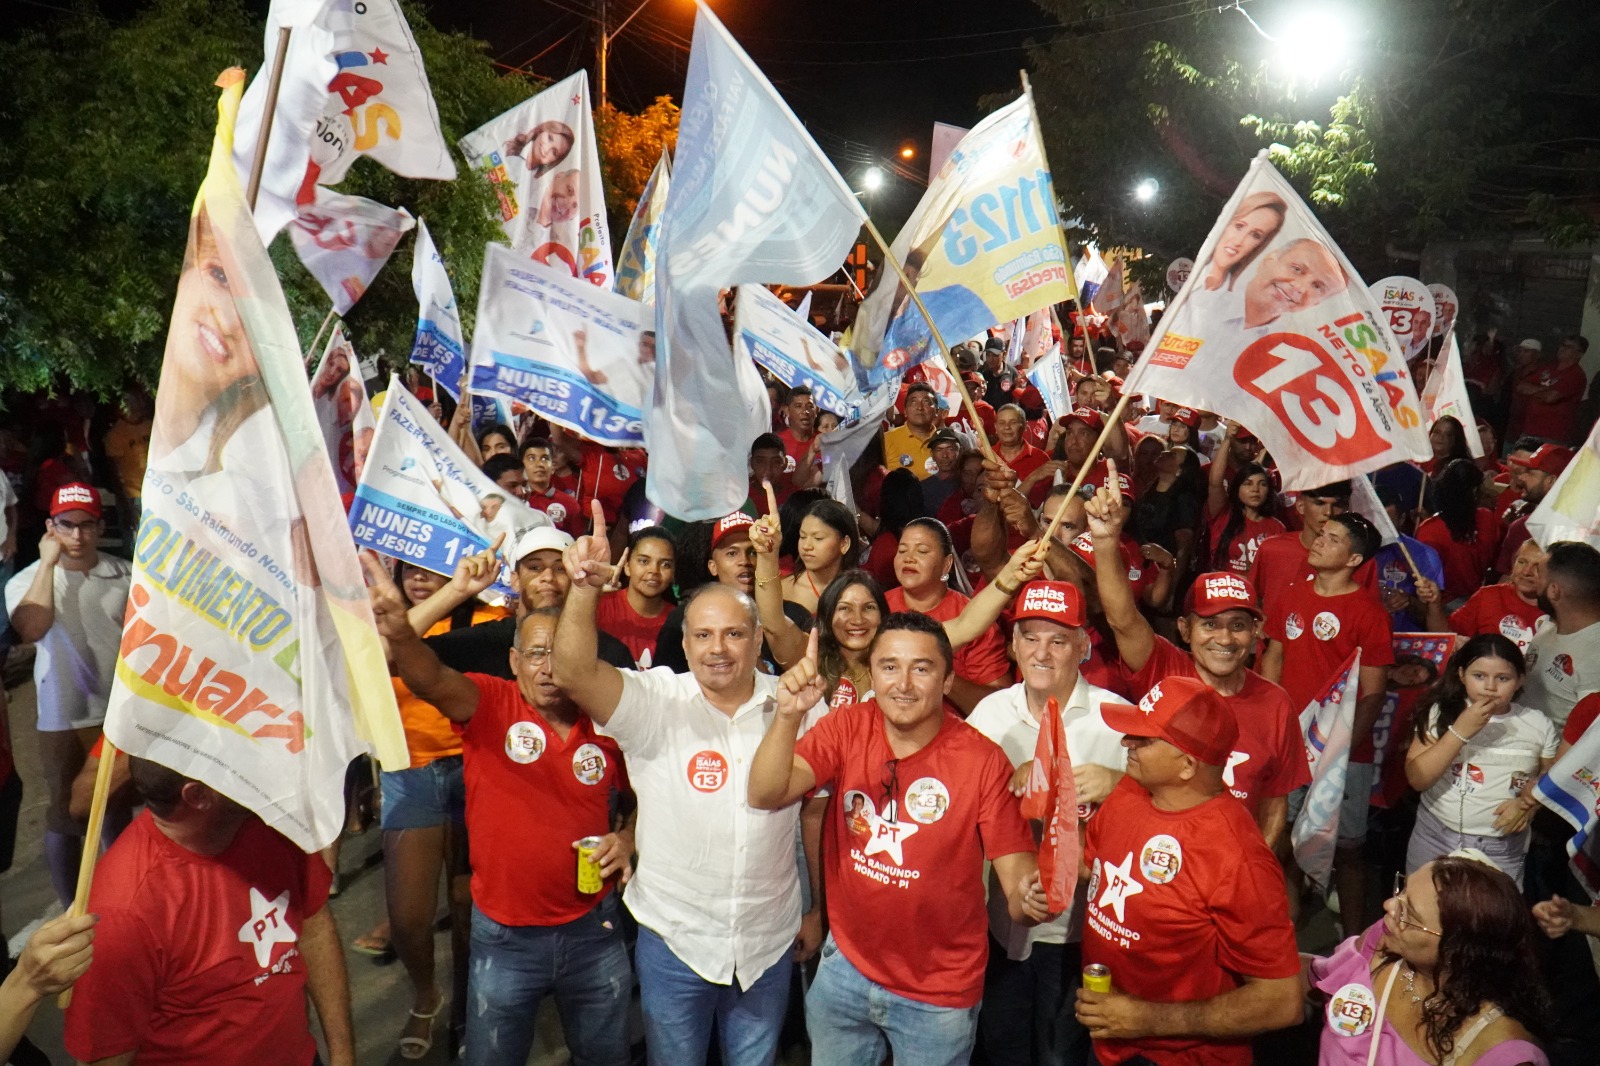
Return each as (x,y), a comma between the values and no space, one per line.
(429,734)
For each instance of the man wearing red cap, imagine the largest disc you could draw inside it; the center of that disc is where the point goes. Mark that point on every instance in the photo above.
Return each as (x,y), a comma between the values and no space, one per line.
(70,603)
(1219,624)
(1186,903)
(1027,990)
(1535,476)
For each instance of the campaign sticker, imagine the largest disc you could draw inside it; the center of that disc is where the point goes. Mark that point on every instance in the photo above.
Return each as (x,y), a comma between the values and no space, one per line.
(620,471)
(905,459)
(930,466)
(788,464)
(1294,625)
(1351,1010)
(1467,776)
(524,742)
(589,764)
(927,800)
(557,513)
(1519,781)
(1094,880)
(1512,629)
(1160,859)
(708,771)
(1325,626)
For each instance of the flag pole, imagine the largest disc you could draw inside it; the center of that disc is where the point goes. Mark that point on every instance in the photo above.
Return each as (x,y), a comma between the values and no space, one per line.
(265,135)
(938,340)
(1113,420)
(91,843)
(312,347)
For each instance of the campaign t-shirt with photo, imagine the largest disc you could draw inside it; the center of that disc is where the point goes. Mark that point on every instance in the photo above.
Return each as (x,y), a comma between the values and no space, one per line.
(905,842)
(1269,758)
(1241,548)
(1282,562)
(1183,905)
(562,510)
(1492,767)
(1318,633)
(530,795)
(1498,609)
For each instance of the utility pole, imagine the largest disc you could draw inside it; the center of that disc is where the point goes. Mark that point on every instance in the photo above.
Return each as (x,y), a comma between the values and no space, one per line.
(604,47)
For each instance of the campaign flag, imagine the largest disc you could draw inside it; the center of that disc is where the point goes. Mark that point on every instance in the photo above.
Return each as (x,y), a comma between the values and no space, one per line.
(249,659)
(1130,322)
(1364,501)
(1408,305)
(439,346)
(345,240)
(636,262)
(1049,376)
(1284,337)
(543,162)
(339,398)
(945,139)
(422,501)
(1092,272)
(1109,296)
(308,66)
(1326,725)
(1446,394)
(1052,798)
(1571,509)
(984,245)
(1571,789)
(1419,660)
(1445,306)
(753,201)
(844,445)
(765,329)
(580,356)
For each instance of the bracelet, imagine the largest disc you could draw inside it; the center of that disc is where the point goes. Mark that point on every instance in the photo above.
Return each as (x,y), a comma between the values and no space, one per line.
(1452,728)
(763,582)
(1007,592)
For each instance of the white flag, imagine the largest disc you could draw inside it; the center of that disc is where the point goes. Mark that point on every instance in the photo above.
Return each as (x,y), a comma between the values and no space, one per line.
(439,345)
(1571,509)
(1446,394)
(339,397)
(345,240)
(1326,725)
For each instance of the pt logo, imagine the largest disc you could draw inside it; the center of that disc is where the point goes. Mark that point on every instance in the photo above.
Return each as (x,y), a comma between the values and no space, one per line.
(268,925)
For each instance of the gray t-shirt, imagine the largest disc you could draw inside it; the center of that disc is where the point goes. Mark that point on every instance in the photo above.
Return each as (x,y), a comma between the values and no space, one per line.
(77,658)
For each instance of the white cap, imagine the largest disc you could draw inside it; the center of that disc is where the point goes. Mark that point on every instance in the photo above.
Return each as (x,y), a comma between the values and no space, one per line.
(542,538)
(1532,344)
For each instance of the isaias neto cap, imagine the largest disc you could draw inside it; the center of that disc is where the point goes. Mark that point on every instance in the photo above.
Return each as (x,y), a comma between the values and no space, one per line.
(75,496)
(1053,601)
(1219,591)
(736,523)
(1183,712)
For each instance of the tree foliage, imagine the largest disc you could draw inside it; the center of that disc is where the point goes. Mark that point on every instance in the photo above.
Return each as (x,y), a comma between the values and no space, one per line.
(105,131)
(630,145)
(1450,118)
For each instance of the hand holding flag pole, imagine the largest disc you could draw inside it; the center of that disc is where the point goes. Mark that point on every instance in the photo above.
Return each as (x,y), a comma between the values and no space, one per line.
(1112,421)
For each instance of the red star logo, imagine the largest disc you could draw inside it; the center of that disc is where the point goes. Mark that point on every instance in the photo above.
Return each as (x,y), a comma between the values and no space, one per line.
(576,100)
(378,55)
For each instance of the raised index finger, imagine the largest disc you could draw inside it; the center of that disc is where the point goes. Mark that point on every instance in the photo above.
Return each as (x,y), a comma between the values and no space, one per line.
(1111,482)
(772,496)
(598,512)
(811,646)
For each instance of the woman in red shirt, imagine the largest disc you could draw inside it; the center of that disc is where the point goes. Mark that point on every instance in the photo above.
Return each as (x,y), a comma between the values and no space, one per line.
(1466,536)
(1240,518)
(636,613)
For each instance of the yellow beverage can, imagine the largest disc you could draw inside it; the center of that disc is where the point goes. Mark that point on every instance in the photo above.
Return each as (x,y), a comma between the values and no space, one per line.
(1097,978)
(589,880)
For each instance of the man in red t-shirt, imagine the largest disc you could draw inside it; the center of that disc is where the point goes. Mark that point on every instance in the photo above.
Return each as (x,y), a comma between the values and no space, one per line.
(905,957)
(213,929)
(539,778)
(1535,477)
(802,445)
(1219,625)
(1553,393)
(1312,630)
(1281,562)
(1186,902)
(538,466)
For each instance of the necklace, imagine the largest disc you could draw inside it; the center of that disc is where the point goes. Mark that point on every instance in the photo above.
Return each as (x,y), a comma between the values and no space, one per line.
(812,582)
(1410,978)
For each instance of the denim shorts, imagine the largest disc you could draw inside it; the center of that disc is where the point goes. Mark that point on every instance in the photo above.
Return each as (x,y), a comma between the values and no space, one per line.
(425,796)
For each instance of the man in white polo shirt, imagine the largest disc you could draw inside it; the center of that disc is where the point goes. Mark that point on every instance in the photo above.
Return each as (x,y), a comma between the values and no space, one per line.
(1031,980)
(70,603)
(716,893)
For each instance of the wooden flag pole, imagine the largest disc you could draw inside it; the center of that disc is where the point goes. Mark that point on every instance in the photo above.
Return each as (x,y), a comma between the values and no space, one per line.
(938,340)
(265,133)
(1112,421)
(91,843)
(311,349)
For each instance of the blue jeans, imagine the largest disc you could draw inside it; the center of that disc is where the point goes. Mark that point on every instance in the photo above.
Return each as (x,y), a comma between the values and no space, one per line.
(583,962)
(680,1007)
(851,1020)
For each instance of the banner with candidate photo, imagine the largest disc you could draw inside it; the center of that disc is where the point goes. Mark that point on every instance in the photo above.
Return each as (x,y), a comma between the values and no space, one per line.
(439,347)
(345,240)
(1326,725)
(1276,328)
(580,356)
(339,398)
(1408,305)
(422,501)
(984,245)
(543,162)
(1571,509)
(781,340)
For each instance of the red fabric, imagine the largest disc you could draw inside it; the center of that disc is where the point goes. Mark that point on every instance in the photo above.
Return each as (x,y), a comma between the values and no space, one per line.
(1270,757)
(1498,609)
(1281,563)
(1581,718)
(958,507)
(1188,928)
(522,817)
(607,474)
(1318,633)
(1027,461)
(1464,563)
(615,615)
(1052,798)
(920,931)
(983,661)
(1556,421)
(178,972)
(1246,542)
(880,560)
(562,510)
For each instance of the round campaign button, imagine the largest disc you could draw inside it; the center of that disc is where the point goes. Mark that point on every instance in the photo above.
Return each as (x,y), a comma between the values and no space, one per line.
(524,742)
(708,771)
(927,800)
(589,764)
(1325,626)
(1160,859)
(1351,1010)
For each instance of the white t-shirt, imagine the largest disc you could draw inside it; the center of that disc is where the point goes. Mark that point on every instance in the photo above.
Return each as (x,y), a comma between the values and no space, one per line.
(1494,766)
(77,657)
(1004,718)
(8,498)
(1561,669)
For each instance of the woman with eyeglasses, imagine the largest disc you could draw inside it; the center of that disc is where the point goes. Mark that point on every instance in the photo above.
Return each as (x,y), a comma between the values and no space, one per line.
(1475,757)
(1447,978)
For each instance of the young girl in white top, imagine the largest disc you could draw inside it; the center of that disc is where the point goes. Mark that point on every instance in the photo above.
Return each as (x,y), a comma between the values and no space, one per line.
(1475,758)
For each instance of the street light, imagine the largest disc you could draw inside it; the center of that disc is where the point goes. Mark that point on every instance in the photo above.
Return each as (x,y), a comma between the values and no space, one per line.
(1314,43)
(872,180)
(908,152)
(1146,190)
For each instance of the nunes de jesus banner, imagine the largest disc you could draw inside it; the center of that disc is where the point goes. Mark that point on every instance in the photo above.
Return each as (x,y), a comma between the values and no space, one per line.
(580,356)
(543,162)
(765,329)
(1275,327)
(249,660)
(439,347)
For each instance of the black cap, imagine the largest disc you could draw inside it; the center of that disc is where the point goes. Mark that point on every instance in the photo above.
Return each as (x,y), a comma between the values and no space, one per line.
(995,344)
(943,436)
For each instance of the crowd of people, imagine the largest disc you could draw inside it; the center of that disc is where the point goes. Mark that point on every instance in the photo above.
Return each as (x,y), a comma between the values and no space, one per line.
(779,755)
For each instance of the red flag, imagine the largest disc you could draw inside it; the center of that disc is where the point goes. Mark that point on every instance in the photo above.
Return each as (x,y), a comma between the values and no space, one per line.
(1052,798)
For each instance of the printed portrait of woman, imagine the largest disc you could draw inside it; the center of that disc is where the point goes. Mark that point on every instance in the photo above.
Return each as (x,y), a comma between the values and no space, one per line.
(542,147)
(1253,225)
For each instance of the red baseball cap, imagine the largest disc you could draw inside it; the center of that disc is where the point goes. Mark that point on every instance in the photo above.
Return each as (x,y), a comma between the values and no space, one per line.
(1089,417)
(1029,397)
(1096,479)
(1219,591)
(737,523)
(1188,416)
(1052,601)
(75,496)
(1183,712)
(1550,459)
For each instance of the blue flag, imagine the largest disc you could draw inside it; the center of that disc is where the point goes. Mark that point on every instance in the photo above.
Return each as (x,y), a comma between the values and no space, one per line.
(752,201)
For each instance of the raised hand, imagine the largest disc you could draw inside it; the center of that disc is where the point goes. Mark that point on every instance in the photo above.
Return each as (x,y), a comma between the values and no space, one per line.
(388,603)
(800,689)
(767,532)
(1104,508)
(1554,916)
(1427,592)
(1025,564)
(476,572)
(588,561)
(619,571)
